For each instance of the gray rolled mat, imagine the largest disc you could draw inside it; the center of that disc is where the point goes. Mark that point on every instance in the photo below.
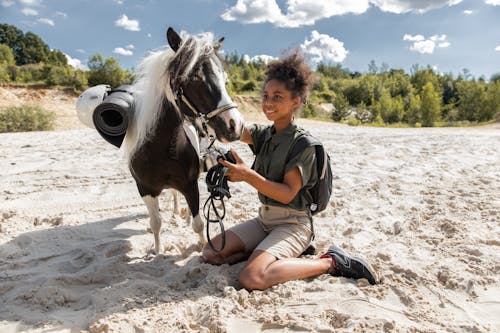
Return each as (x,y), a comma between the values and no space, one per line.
(111,117)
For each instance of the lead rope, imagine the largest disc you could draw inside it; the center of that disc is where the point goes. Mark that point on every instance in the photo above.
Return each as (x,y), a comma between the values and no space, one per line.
(218,188)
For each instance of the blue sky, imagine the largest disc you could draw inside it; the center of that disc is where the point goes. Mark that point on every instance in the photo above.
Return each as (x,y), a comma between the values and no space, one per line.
(448,35)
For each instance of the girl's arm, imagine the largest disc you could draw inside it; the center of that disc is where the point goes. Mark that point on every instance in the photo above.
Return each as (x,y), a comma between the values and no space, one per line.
(246,137)
(281,192)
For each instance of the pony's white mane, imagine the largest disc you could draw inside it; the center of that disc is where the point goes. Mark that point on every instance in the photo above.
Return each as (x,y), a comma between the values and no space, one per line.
(153,84)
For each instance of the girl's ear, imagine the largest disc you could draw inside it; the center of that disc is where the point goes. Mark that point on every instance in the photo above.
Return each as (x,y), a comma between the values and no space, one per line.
(297,102)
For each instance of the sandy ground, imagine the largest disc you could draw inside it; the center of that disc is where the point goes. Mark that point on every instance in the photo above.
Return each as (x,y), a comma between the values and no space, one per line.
(422,205)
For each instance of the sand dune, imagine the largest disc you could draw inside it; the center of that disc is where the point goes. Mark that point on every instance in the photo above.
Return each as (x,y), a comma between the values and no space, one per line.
(423,205)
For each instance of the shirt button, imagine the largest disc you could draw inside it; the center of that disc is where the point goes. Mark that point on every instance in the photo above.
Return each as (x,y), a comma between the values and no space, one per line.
(266,207)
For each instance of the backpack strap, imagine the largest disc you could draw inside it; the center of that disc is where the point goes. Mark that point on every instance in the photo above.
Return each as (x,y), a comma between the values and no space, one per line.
(300,144)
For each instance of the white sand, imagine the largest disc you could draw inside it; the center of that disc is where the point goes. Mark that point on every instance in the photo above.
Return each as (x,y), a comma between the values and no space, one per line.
(423,205)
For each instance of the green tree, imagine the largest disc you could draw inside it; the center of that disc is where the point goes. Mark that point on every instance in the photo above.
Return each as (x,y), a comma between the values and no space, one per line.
(13,38)
(471,98)
(106,71)
(341,108)
(491,106)
(414,110)
(430,105)
(422,76)
(34,50)
(495,77)
(6,55)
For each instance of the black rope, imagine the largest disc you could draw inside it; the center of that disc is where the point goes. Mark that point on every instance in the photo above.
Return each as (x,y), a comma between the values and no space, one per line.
(218,188)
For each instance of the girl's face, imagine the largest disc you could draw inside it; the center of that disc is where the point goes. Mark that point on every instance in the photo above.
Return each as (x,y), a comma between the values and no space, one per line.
(278,102)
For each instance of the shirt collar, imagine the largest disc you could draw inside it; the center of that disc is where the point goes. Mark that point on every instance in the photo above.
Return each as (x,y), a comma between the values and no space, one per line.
(279,137)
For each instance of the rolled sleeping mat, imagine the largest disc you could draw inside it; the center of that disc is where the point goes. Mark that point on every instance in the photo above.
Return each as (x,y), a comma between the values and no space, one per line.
(111,117)
(88,101)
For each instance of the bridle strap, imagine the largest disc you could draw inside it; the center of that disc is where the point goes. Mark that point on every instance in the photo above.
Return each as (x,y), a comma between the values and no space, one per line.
(209,115)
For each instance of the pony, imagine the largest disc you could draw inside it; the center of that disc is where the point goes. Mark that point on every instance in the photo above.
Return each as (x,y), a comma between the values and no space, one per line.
(185,82)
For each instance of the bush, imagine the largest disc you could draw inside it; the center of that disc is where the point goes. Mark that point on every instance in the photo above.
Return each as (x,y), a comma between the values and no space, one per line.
(25,118)
(353,122)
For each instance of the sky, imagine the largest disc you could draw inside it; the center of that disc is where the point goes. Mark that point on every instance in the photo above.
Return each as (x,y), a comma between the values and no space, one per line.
(448,35)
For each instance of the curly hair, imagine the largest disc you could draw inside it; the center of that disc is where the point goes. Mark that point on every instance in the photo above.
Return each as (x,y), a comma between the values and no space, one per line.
(294,72)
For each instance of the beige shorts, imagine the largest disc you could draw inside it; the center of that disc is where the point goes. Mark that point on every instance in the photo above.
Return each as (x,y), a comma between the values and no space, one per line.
(279,231)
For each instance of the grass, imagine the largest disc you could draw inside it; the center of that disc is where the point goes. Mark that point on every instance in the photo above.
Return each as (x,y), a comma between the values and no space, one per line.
(25,118)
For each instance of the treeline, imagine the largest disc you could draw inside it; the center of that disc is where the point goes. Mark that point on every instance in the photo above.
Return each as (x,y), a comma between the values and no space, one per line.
(26,58)
(380,96)
(387,96)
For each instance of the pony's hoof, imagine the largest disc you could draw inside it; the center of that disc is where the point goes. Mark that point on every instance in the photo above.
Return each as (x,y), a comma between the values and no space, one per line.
(184,213)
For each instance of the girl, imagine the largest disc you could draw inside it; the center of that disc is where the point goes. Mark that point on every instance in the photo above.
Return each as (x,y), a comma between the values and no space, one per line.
(281,232)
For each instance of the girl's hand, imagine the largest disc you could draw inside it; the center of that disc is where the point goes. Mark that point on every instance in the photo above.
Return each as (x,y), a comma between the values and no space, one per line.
(236,172)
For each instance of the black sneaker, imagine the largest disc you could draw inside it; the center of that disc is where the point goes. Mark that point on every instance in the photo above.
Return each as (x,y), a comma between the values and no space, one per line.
(349,267)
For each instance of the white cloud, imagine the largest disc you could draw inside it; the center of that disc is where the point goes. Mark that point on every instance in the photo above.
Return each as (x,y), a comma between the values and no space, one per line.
(75,63)
(29,12)
(307,12)
(415,6)
(250,11)
(493,2)
(497,48)
(426,46)
(468,12)
(130,46)
(7,3)
(31,2)
(122,51)
(119,2)
(149,35)
(261,57)
(82,51)
(416,38)
(47,21)
(323,48)
(125,23)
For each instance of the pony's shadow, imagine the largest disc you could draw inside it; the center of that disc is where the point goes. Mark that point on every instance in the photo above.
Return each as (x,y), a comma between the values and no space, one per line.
(74,275)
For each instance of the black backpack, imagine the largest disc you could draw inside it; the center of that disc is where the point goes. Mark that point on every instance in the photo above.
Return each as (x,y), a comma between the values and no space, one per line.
(322,190)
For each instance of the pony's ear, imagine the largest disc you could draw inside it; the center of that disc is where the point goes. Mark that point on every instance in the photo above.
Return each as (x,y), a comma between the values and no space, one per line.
(218,45)
(173,38)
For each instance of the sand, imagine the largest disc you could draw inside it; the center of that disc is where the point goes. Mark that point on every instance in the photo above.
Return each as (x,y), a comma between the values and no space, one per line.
(422,205)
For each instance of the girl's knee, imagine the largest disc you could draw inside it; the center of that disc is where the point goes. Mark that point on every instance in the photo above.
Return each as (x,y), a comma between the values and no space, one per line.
(252,280)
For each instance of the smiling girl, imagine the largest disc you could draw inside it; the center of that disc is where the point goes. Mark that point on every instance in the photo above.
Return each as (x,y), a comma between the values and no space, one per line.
(283,229)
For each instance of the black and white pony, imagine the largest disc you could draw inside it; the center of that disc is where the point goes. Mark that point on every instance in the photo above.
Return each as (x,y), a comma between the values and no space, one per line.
(186,81)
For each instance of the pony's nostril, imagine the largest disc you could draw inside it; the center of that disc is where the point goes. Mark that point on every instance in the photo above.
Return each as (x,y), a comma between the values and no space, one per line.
(232,126)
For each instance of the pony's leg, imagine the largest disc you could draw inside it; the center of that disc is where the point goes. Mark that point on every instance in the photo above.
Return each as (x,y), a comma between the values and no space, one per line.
(197,225)
(192,195)
(154,218)
(175,196)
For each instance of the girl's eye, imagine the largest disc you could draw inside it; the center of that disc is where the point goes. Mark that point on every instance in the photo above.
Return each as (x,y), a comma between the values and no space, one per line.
(277,98)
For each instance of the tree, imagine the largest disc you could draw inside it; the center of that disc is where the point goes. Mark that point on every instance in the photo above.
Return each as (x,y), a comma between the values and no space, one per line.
(12,37)
(106,71)
(414,110)
(471,98)
(34,50)
(6,55)
(29,48)
(430,105)
(491,109)
(340,111)
(495,77)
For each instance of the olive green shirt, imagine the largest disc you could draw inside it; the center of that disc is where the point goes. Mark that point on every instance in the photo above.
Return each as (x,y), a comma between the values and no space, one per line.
(272,149)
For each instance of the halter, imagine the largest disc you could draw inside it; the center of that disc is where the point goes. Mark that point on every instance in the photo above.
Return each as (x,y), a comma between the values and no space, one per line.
(204,117)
